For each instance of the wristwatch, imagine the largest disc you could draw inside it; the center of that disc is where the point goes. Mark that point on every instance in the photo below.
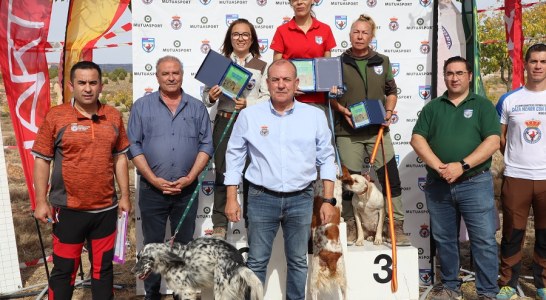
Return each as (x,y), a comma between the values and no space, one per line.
(466,166)
(332,201)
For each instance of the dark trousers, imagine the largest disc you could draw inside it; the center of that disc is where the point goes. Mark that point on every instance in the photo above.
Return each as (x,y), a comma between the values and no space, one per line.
(155,210)
(70,230)
(219,218)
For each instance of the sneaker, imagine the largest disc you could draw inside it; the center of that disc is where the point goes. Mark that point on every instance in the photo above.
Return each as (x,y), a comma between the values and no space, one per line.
(507,293)
(401,238)
(351,230)
(541,294)
(439,292)
(219,232)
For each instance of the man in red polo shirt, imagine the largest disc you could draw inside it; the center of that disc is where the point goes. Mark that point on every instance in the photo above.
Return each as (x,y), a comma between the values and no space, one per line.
(86,140)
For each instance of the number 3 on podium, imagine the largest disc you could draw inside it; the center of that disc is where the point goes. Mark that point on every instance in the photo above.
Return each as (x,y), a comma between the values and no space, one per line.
(385,261)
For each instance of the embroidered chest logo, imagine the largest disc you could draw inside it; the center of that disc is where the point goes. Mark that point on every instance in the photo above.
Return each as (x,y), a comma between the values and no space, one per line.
(532,133)
(264,131)
(318,40)
(467,113)
(75,127)
(378,70)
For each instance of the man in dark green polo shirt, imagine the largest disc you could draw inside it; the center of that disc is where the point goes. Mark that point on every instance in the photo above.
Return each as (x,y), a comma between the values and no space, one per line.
(456,135)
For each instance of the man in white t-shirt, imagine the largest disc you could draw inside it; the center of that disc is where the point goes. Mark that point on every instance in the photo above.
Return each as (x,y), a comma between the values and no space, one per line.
(523,123)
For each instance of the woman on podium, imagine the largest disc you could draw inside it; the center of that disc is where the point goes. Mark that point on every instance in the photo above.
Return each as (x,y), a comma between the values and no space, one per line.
(241,46)
(304,37)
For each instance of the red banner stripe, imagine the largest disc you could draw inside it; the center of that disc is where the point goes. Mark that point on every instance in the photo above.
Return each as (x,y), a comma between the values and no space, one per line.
(24,26)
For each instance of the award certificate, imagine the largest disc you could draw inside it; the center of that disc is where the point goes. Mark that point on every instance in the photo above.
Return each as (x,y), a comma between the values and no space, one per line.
(234,81)
(306,74)
(359,115)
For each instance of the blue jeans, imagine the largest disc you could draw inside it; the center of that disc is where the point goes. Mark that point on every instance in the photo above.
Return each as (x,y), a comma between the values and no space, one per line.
(472,199)
(265,213)
(155,209)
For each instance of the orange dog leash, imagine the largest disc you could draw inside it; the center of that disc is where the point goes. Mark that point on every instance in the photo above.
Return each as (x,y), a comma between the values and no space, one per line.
(379,140)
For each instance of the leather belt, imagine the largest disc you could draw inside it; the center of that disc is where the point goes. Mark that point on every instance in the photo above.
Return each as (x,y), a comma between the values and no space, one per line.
(472,176)
(278,194)
(226,115)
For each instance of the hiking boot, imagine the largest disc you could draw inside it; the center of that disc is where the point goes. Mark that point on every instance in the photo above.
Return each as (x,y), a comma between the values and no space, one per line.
(439,292)
(541,294)
(351,230)
(401,238)
(219,232)
(507,293)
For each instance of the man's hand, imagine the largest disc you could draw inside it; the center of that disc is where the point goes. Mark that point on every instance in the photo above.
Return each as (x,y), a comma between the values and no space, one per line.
(233,209)
(124,204)
(43,212)
(182,182)
(327,213)
(167,187)
(240,103)
(451,171)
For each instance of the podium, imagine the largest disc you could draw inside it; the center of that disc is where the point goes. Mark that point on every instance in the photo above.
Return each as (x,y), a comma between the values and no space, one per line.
(368,270)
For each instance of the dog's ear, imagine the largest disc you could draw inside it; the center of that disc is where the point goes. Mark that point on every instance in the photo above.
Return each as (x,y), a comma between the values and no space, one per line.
(173,257)
(346,177)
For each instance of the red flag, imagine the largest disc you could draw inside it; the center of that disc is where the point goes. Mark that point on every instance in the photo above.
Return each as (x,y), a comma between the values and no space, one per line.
(514,39)
(24,25)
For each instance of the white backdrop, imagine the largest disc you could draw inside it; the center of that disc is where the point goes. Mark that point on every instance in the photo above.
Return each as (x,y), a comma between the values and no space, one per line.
(189,28)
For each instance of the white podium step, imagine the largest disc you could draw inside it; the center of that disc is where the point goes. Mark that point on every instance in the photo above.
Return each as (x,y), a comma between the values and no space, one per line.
(368,271)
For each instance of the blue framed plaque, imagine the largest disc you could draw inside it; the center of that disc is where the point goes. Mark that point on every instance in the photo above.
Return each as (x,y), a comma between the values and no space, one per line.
(367,112)
(217,69)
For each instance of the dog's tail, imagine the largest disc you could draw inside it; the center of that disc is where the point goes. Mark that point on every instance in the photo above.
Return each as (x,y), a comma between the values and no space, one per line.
(243,280)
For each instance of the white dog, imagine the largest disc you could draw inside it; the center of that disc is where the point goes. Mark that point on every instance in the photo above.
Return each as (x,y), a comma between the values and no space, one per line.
(369,209)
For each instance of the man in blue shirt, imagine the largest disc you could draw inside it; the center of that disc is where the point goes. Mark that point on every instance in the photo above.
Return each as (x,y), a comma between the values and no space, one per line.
(171,143)
(286,141)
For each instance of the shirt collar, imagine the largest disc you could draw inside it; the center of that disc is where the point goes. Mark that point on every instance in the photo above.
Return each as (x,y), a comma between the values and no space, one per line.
(293,26)
(286,113)
(235,58)
(79,115)
(470,96)
(183,100)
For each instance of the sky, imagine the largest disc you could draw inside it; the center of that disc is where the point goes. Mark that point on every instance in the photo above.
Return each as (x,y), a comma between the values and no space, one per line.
(123,53)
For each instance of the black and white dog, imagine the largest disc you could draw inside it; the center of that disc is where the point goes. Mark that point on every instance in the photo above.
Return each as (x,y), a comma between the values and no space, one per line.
(203,263)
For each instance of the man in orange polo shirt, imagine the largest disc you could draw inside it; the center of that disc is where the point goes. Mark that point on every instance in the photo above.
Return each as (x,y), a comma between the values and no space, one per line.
(87,142)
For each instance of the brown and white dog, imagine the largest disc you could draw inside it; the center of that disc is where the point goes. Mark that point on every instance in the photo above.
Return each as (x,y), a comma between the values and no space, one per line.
(327,269)
(369,209)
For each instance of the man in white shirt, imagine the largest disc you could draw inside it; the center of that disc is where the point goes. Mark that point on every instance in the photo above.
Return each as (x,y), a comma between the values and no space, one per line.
(286,141)
(523,120)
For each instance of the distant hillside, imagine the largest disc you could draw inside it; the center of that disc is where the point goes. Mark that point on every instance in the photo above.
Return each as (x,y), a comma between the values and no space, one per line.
(107,67)
(112,67)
